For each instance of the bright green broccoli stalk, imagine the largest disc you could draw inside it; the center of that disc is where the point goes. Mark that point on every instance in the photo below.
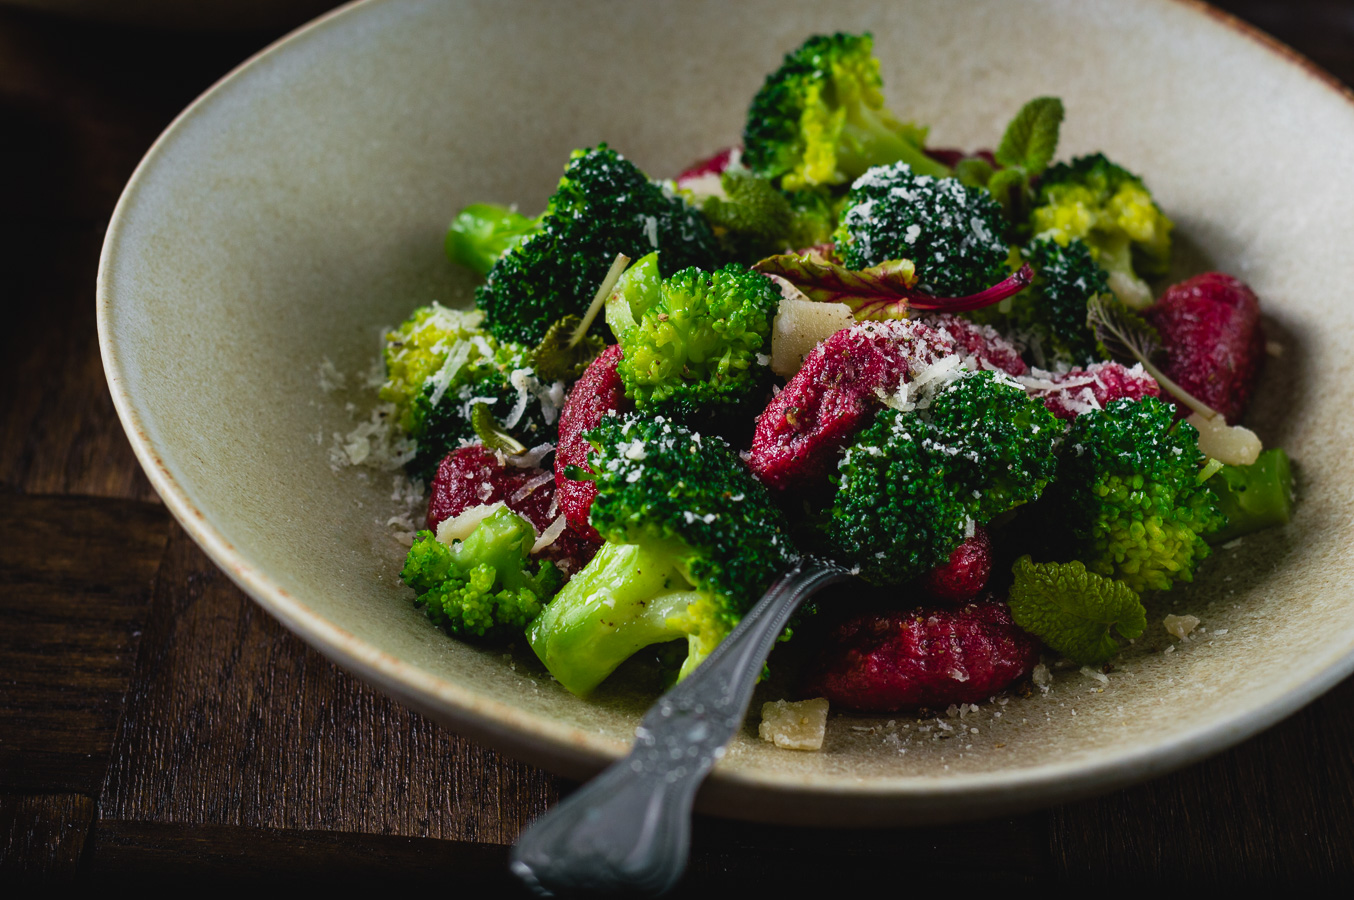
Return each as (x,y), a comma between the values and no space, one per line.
(485,586)
(604,206)
(915,483)
(482,232)
(440,366)
(952,233)
(1073,610)
(692,541)
(820,118)
(1050,315)
(696,341)
(753,219)
(1253,497)
(1127,500)
(1110,209)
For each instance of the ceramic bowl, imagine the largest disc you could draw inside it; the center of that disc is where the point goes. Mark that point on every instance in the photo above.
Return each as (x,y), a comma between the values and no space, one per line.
(300,205)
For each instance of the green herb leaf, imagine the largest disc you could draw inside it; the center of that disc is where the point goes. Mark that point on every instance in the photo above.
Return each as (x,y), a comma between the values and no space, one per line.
(492,434)
(1032,137)
(1011,188)
(1072,610)
(1129,337)
(973,171)
(884,291)
(561,357)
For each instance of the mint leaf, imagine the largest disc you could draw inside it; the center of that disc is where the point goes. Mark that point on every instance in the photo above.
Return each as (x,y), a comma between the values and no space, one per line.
(1011,188)
(1072,610)
(1032,137)
(973,171)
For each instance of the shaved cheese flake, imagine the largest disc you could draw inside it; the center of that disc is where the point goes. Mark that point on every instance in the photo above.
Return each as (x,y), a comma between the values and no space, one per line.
(550,535)
(458,528)
(527,489)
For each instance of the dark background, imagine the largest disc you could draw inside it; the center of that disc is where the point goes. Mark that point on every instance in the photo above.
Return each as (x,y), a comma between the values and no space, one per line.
(156,725)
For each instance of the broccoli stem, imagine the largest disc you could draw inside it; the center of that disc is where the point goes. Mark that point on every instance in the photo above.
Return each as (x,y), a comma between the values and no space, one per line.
(1253,497)
(620,603)
(866,141)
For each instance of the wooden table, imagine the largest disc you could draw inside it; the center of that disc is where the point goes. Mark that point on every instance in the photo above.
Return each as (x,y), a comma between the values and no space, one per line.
(155,723)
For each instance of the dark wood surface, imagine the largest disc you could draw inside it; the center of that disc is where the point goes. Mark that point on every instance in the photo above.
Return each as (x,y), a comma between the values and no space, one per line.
(156,725)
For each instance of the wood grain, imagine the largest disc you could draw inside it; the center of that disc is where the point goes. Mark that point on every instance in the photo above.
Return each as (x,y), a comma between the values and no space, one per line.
(76,574)
(233,721)
(42,837)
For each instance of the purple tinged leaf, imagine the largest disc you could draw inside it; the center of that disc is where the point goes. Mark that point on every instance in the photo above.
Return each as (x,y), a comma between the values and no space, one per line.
(886,291)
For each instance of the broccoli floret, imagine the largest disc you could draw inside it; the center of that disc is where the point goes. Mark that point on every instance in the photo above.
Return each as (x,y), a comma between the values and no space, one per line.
(1050,315)
(439,366)
(692,540)
(820,118)
(1253,497)
(692,342)
(482,232)
(417,351)
(754,220)
(916,482)
(485,586)
(1127,500)
(952,233)
(1072,610)
(1110,209)
(604,206)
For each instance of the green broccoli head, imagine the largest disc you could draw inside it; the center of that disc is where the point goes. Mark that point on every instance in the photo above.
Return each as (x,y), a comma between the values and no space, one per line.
(915,483)
(1109,208)
(951,232)
(482,232)
(604,206)
(485,586)
(439,366)
(695,341)
(754,219)
(1127,499)
(1050,315)
(820,118)
(692,540)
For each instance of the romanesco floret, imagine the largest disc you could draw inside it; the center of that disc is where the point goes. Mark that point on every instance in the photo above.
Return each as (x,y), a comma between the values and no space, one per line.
(692,540)
(604,206)
(915,483)
(439,365)
(1073,610)
(484,586)
(1127,499)
(952,233)
(695,341)
(1108,207)
(820,118)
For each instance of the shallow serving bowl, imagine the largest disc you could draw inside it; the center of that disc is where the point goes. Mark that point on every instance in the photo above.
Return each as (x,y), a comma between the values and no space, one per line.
(300,205)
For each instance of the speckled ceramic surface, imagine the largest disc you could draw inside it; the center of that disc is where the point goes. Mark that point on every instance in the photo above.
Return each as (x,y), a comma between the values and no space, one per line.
(300,205)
